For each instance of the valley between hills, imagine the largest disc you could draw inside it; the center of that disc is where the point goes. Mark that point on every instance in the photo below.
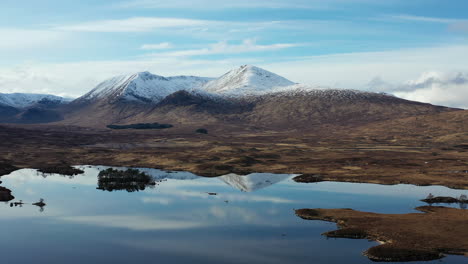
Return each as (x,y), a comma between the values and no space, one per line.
(321,134)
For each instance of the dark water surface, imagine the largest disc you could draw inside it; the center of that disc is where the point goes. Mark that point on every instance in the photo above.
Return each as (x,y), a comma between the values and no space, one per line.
(250,219)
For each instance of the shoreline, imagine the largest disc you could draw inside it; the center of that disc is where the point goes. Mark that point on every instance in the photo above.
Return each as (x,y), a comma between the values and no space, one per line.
(239,166)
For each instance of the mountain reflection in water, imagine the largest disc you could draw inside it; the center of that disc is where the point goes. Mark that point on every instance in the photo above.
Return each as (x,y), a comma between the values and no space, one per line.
(112,179)
(250,219)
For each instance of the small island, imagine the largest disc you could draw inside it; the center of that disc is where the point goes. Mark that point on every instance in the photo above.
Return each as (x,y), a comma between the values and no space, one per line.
(430,199)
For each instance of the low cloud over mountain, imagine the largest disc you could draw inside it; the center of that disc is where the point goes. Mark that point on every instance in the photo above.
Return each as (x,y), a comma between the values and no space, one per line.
(434,87)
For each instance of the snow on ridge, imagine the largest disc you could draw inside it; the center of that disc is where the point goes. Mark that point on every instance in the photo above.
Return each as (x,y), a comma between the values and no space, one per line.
(300,89)
(246,80)
(144,87)
(23,100)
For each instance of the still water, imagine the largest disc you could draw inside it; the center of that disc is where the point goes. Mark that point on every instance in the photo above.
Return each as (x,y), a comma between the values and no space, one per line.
(188,219)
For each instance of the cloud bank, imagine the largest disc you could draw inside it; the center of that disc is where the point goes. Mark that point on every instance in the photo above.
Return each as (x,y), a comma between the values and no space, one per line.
(437,88)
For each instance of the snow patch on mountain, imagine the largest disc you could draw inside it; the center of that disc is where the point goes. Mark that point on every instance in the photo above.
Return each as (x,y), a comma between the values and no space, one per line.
(246,80)
(144,87)
(324,92)
(24,100)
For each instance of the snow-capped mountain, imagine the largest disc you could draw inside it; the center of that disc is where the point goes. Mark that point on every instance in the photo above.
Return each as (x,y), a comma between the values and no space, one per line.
(24,100)
(143,87)
(254,181)
(247,80)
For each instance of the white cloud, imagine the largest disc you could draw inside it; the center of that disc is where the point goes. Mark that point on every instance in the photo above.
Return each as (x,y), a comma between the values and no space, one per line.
(159,46)
(248,45)
(406,17)
(231,197)
(19,39)
(271,4)
(134,24)
(377,84)
(455,25)
(449,88)
(156,200)
(437,88)
(354,70)
(38,78)
(212,29)
(215,4)
(134,222)
(235,213)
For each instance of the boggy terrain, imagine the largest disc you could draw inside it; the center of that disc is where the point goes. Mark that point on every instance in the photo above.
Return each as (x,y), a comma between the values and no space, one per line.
(405,237)
(423,150)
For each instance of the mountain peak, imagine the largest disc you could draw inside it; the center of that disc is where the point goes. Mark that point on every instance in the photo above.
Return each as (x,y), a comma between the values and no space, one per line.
(147,76)
(250,67)
(247,80)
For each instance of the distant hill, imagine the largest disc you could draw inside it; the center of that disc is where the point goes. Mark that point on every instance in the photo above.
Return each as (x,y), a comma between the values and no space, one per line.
(31,108)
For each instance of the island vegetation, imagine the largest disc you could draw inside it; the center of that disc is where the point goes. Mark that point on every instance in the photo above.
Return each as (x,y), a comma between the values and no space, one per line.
(130,180)
(462,200)
(201,131)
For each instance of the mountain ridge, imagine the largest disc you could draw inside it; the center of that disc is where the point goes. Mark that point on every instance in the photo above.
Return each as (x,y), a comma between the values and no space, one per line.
(24,100)
(31,108)
(143,87)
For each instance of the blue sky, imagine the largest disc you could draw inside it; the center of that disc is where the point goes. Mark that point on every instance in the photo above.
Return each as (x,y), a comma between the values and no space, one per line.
(415,49)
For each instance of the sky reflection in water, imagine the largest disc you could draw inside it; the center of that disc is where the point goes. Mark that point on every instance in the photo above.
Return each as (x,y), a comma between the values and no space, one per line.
(250,220)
